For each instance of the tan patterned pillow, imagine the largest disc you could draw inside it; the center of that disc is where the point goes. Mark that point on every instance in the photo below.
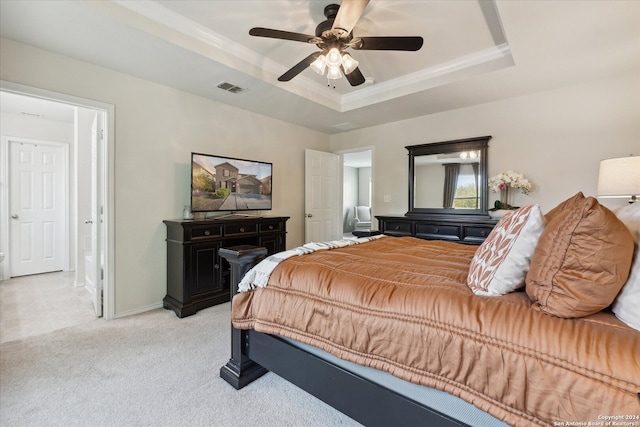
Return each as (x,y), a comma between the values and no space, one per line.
(500,264)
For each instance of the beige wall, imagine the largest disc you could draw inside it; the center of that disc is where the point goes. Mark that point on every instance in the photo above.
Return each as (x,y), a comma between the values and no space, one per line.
(156,129)
(556,138)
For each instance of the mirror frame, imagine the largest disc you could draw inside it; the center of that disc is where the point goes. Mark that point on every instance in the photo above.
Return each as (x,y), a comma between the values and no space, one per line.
(469,144)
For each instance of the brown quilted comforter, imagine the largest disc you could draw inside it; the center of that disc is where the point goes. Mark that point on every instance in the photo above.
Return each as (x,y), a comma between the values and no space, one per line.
(401,305)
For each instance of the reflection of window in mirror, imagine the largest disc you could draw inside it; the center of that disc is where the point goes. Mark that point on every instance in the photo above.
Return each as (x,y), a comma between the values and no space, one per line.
(466,193)
(448,181)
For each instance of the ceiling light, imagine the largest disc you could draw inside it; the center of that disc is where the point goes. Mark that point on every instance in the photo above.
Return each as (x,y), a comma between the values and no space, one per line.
(334,58)
(335,62)
(319,64)
(348,63)
(333,72)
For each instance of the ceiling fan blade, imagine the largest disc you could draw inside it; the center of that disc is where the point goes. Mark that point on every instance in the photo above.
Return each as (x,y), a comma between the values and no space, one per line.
(388,43)
(348,15)
(355,78)
(299,67)
(283,35)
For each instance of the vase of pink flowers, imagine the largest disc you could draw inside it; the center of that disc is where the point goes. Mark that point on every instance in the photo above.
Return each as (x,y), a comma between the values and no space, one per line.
(506,183)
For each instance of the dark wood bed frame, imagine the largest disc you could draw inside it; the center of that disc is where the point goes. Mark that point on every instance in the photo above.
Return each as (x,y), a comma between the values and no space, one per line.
(253,354)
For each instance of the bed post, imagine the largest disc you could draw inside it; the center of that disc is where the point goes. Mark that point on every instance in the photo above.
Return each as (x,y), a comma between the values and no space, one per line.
(240,370)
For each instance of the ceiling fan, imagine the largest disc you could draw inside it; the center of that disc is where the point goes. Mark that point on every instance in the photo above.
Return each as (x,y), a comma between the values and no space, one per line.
(333,37)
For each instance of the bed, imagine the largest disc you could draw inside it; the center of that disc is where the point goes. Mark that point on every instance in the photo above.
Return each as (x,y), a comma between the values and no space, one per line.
(358,324)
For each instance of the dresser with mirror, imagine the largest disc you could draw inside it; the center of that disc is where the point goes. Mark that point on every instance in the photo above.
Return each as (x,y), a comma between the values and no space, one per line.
(448,198)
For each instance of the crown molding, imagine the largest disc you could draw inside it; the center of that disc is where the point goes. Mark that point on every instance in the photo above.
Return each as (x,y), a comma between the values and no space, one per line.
(234,55)
(428,78)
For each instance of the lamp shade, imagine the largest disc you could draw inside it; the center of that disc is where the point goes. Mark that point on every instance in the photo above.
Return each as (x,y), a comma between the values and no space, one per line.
(619,177)
(348,63)
(333,73)
(319,64)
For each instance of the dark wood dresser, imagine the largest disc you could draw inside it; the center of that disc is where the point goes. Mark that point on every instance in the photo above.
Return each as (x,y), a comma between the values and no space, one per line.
(197,277)
(472,231)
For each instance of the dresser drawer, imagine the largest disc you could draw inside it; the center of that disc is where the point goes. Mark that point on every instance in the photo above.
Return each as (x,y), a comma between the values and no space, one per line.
(475,234)
(239,229)
(206,232)
(397,228)
(436,231)
(270,226)
(470,230)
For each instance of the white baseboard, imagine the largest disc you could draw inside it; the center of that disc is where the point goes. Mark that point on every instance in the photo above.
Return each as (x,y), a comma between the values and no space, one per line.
(138,310)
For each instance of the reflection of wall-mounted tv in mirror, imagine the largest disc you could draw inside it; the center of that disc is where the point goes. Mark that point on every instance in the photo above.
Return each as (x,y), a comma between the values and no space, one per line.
(229,184)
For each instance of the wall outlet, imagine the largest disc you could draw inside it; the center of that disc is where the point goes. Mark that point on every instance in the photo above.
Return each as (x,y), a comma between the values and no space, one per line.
(387,198)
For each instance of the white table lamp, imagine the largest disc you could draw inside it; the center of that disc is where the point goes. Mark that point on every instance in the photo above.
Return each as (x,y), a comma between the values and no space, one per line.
(620,178)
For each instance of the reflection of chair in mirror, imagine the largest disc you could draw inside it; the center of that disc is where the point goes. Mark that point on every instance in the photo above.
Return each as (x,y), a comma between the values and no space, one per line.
(363,218)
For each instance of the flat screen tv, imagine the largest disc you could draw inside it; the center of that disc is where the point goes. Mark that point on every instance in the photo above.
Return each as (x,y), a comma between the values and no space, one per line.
(229,184)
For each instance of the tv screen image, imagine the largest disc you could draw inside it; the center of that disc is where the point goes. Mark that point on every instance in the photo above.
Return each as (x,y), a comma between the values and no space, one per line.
(229,184)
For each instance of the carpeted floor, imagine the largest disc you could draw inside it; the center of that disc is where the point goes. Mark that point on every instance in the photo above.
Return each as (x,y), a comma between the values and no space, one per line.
(151,369)
(41,303)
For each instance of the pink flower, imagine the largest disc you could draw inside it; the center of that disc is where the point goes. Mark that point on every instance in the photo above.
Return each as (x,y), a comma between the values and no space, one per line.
(502,186)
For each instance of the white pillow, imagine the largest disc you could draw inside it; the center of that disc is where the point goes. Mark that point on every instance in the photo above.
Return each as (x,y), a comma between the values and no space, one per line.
(630,216)
(501,263)
(626,306)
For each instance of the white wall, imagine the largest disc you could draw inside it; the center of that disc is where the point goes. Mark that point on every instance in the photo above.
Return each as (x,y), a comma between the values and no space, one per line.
(350,191)
(156,129)
(555,138)
(364,179)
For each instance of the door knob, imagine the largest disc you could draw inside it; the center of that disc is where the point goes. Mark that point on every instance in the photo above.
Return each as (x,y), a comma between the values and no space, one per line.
(88,221)
(309,215)
(14,216)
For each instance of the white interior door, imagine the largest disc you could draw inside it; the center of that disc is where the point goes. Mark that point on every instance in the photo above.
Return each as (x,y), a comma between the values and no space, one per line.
(322,192)
(37,205)
(93,270)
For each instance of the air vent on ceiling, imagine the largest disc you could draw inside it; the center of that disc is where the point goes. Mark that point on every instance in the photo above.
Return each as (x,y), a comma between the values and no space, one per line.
(230,87)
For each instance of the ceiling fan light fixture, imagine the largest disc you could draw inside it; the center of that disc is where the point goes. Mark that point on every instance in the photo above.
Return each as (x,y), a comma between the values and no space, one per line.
(348,63)
(319,64)
(333,72)
(334,58)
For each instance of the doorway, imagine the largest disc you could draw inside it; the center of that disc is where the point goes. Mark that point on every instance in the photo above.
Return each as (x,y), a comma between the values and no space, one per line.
(37,204)
(357,192)
(84,155)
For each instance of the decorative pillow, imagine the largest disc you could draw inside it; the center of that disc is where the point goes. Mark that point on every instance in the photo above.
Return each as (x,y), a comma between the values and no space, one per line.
(500,264)
(581,262)
(563,206)
(630,216)
(626,306)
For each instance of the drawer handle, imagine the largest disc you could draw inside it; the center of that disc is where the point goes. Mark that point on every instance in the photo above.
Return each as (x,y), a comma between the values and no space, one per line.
(242,229)
(436,230)
(270,227)
(207,232)
(397,227)
(483,233)
(217,266)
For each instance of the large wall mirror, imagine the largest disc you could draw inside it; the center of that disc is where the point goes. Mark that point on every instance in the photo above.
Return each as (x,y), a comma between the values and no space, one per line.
(449,177)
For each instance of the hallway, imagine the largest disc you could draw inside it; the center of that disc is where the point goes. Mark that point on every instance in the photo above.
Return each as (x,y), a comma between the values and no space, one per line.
(38,304)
